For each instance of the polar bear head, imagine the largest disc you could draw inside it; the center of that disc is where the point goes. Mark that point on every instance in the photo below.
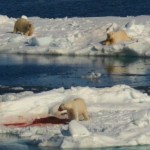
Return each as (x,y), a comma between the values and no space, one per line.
(65,107)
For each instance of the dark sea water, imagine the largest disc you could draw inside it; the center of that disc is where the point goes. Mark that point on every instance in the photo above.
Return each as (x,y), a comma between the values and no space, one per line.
(44,72)
(74,8)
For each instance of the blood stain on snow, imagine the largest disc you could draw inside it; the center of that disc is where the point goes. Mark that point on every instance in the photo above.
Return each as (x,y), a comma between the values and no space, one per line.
(51,120)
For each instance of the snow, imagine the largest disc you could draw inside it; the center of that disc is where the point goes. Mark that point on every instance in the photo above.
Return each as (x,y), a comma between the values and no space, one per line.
(119,115)
(77,130)
(77,36)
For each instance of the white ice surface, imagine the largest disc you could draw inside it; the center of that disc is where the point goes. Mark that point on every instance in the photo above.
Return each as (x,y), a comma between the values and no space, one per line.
(77,36)
(119,115)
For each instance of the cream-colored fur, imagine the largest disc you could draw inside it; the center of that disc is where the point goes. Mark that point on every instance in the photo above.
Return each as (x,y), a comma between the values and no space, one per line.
(24,26)
(75,109)
(116,37)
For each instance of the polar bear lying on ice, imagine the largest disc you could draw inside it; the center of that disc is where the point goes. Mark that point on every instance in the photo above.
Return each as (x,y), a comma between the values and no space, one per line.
(24,26)
(75,109)
(115,37)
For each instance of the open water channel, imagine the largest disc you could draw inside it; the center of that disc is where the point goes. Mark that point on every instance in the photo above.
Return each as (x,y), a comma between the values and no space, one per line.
(40,73)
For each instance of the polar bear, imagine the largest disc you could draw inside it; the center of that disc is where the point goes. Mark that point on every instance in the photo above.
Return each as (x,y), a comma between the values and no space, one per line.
(75,109)
(24,26)
(116,37)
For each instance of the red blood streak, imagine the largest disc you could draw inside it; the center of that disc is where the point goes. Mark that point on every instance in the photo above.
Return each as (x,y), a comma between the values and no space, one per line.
(41,122)
(14,124)
(51,120)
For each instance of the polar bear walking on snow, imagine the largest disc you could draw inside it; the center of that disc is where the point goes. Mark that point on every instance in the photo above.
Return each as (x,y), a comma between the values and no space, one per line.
(75,109)
(24,26)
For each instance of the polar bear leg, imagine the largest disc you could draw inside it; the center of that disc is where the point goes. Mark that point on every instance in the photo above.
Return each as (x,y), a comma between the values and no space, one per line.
(70,115)
(106,42)
(85,115)
(75,114)
(27,33)
(15,30)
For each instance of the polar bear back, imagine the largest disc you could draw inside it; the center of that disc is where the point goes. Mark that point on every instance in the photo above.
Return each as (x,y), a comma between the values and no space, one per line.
(77,103)
(119,36)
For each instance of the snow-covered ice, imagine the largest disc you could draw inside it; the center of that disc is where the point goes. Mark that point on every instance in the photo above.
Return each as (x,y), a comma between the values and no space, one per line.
(77,36)
(119,115)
